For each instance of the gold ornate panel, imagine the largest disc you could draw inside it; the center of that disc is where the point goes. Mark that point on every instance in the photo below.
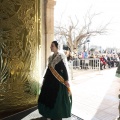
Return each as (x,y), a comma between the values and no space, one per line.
(19,53)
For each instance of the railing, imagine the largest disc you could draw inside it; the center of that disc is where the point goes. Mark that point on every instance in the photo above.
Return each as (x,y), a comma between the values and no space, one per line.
(86,64)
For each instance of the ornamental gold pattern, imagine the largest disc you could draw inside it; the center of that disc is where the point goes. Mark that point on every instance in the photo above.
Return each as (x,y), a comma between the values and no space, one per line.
(19,50)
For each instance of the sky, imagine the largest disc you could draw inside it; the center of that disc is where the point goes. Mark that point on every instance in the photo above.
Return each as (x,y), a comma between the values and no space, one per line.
(109,12)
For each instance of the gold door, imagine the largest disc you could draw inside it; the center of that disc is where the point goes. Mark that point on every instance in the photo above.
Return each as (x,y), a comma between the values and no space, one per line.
(19,53)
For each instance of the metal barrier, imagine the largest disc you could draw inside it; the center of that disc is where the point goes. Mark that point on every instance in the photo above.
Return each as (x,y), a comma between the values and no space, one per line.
(88,64)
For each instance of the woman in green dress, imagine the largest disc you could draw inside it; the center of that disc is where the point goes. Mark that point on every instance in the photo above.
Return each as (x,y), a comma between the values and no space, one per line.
(55,99)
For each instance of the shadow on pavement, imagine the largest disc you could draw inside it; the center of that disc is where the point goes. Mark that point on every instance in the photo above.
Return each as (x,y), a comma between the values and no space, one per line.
(41,118)
(21,115)
(108,108)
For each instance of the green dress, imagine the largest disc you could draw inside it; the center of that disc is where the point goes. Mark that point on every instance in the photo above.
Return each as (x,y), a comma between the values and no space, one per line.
(54,101)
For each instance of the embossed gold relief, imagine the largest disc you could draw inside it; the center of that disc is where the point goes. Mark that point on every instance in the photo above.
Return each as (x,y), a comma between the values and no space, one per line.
(19,41)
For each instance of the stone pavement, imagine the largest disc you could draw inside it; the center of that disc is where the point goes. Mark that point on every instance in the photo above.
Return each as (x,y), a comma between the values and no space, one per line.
(95,94)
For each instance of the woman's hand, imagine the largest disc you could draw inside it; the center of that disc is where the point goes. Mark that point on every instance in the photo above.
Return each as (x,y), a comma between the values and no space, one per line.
(67,84)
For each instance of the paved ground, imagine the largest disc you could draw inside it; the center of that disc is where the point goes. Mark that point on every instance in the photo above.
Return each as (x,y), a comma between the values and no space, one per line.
(95,95)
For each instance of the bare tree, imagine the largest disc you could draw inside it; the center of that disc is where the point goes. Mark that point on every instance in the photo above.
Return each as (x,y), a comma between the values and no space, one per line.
(74,34)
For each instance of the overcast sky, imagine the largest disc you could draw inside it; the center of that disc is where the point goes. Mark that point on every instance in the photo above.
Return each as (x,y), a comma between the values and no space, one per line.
(109,9)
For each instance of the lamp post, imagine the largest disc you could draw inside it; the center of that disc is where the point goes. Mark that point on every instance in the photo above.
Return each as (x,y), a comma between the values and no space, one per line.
(88,41)
(84,47)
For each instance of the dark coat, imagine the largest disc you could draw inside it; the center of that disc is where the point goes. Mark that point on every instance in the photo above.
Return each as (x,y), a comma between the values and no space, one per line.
(50,86)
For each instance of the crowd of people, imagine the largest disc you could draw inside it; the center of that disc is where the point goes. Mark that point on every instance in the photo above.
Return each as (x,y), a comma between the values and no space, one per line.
(110,60)
(106,60)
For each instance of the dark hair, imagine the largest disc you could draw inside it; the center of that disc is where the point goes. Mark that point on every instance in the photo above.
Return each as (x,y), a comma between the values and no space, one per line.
(56,43)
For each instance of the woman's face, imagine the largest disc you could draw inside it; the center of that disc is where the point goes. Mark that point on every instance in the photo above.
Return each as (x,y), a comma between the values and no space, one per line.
(53,48)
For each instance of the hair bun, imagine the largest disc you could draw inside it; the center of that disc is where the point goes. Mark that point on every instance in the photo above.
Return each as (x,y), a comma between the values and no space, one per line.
(56,43)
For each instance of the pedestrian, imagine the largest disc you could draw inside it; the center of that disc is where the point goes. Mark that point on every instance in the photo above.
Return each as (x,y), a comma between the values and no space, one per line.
(55,99)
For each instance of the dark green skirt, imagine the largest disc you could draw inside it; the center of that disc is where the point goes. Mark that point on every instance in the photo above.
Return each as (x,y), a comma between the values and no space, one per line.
(62,107)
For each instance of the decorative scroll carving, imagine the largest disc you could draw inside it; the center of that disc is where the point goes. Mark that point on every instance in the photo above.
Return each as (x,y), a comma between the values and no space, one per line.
(18,53)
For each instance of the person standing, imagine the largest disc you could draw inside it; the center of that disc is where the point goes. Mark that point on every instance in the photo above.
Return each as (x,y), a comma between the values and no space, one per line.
(103,62)
(108,61)
(55,99)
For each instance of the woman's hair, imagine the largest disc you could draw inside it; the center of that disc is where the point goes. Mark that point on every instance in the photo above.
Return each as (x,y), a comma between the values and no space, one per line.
(56,43)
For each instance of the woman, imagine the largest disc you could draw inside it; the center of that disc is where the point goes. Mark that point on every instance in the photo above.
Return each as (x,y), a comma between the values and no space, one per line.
(55,99)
